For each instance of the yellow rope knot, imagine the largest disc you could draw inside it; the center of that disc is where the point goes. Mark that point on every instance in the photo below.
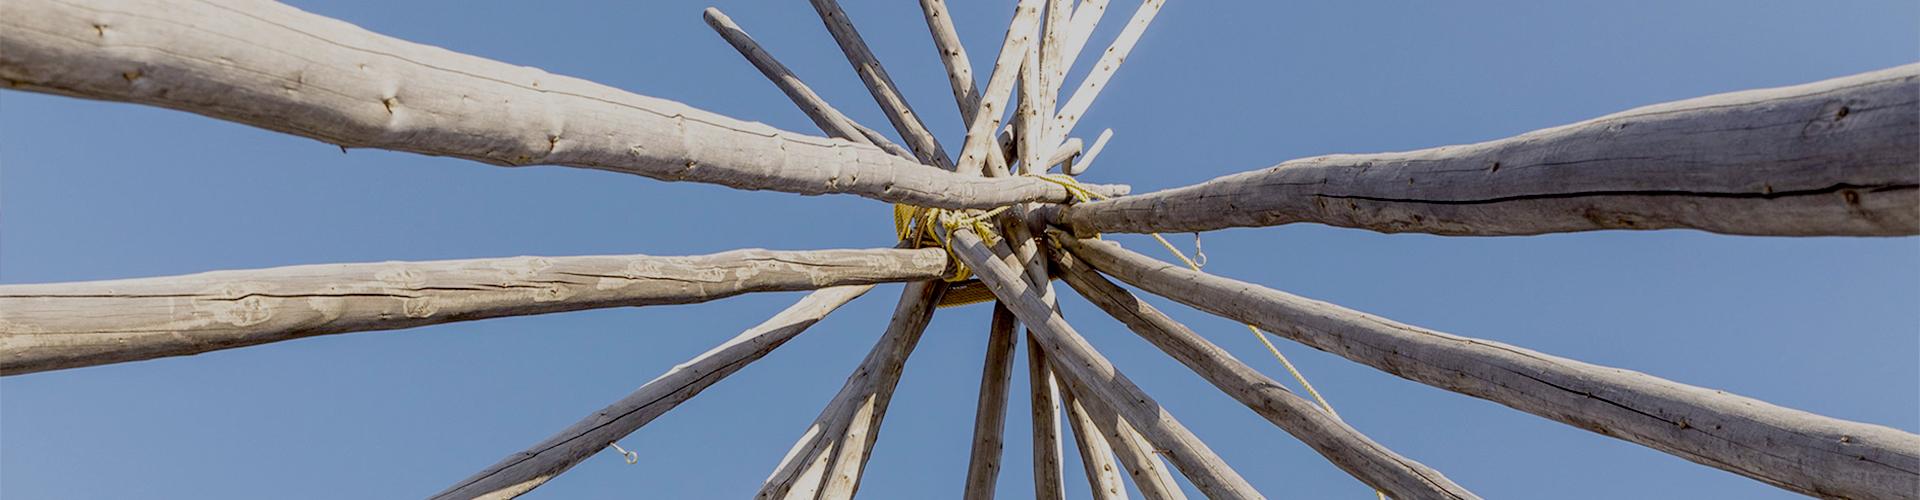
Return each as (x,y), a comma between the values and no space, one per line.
(922,227)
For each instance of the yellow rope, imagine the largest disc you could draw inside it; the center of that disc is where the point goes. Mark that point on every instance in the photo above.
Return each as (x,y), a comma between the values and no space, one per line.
(921,227)
(918,225)
(1258,335)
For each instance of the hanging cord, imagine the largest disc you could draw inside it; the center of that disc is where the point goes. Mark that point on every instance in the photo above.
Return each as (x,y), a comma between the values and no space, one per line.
(1083,194)
(1256,331)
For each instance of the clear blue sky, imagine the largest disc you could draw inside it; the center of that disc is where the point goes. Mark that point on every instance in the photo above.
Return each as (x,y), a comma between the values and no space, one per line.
(97,190)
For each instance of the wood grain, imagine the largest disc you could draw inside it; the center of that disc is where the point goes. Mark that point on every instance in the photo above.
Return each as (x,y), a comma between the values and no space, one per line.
(1796,450)
(272,66)
(1839,157)
(69,325)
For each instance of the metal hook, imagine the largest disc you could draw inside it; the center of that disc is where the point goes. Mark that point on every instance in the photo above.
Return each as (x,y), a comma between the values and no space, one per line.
(1199,254)
(632,458)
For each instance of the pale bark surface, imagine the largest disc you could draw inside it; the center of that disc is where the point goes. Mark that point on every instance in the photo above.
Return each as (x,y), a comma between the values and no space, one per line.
(1103,70)
(827,459)
(990,415)
(1796,450)
(830,120)
(67,325)
(1049,469)
(1086,15)
(985,119)
(523,471)
(1096,456)
(1340,443)
(1090,375)
(273,66)
(1149,472)
(1836,157)
(959,72)
(881,85)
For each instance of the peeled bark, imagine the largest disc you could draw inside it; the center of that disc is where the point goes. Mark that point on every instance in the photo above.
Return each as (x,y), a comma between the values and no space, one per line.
(523,471)
(1799,451)
(273,66)
(1839,157)
(68,325)
(1092,377)
(1340,443)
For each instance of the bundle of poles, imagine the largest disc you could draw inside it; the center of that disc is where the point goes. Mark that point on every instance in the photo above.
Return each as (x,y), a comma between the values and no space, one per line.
(1833,158)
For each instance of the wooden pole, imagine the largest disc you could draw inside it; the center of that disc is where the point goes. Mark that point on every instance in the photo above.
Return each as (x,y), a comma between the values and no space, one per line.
(355,88)
(69,325)
(831,121)
(1054,35)
(993,101)
(1347,448)
(1080,165)
(1063,154)
(881,86)
(523,471)
(827,460)
(1096,456)
(1031,112)
(989,417)
(1085,17)
(953,55)
(1141,458)
(1839,157)
(1049,469)
(1103,70)
(1799,451)
(1091,376)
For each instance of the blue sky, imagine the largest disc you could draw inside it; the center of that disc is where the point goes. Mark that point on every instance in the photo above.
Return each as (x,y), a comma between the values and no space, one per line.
(94,190)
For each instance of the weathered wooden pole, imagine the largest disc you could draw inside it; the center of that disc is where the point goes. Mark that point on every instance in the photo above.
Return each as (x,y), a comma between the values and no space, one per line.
(1141,458)
(1091,376)
(1096,456)
(1049,462)
(830,120)
(959,72)
(1340,443)
(69,325)
(1796,450)
(992,101)
(881,86)
(990,415)
(523,471)
(356,88)
(1839,157)
(1109,63)
(827,460)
